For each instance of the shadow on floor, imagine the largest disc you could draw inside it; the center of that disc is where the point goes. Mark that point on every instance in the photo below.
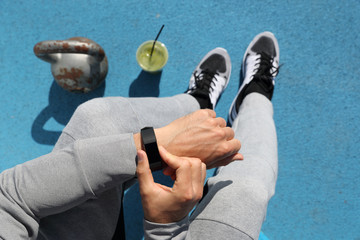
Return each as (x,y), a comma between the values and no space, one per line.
(145,85)
(62,105)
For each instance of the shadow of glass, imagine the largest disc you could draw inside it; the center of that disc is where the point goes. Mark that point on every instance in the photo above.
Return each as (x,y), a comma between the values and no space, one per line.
(145,85)
(62,105)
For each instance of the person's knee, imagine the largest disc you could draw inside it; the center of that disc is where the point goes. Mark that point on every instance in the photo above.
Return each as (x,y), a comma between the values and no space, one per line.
(254,189)
(92,108)
(102,116)
(259,189)
(91,118)
(208,229)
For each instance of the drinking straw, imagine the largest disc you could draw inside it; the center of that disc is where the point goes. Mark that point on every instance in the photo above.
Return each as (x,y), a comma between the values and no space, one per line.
(152,49)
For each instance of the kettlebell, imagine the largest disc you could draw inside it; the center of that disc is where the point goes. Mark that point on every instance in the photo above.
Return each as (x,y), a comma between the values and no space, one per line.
(78,64)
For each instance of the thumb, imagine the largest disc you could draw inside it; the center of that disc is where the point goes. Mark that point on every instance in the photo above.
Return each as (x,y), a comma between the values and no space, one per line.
(143,172)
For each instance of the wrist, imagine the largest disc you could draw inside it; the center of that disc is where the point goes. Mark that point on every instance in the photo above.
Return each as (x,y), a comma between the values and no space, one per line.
(154,230)
(137,141)
(161,137)
(160,134)
(164,217)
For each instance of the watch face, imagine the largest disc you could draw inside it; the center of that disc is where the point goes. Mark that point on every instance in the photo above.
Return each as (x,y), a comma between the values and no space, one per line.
(148,135)
(150,145)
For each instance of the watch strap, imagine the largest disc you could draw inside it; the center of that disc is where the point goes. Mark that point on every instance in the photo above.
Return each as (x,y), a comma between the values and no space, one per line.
(149,143)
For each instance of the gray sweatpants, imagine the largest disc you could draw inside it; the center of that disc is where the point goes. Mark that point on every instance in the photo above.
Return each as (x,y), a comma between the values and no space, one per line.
(235,206)
(236,203)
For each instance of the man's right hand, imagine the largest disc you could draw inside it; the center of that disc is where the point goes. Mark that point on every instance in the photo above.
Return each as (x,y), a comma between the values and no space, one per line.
(163,204)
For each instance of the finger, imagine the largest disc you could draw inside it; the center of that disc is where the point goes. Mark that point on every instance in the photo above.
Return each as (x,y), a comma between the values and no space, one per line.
(198,173)
(182,168)
(235,145)
(229,133)
(203,174)
(168,171)
(225,161)
(169,159)
(143,172)
(226,149)
(203,170)
(239,157)
(221,122)
(210,112)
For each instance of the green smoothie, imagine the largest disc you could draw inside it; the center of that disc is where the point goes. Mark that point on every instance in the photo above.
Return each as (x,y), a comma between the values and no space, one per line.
(155,62)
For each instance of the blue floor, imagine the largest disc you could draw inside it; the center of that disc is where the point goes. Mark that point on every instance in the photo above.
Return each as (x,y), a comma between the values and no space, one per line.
(316,98)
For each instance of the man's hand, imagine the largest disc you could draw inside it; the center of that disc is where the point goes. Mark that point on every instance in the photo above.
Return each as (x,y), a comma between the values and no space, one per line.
(162,204)
(202,135)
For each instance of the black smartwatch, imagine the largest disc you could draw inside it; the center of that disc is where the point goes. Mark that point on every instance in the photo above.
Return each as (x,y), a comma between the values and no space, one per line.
(148,140)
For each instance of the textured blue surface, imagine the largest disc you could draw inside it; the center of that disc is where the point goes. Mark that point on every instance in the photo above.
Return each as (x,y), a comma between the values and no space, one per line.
(316,98)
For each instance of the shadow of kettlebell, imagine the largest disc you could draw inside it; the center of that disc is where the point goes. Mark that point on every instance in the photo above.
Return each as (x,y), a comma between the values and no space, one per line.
(62,105)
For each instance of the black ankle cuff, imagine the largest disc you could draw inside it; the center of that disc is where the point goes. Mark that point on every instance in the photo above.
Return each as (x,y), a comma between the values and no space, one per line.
(203,99)
(255,86)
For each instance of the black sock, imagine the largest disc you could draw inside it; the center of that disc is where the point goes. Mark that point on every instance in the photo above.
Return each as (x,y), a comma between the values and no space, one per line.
(265,88)
(203,99)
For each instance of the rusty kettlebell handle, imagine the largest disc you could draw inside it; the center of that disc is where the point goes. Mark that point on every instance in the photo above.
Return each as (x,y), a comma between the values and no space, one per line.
(73,45)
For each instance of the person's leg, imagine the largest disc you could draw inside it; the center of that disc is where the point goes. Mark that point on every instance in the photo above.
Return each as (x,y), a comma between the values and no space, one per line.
(117,115)
(236,202)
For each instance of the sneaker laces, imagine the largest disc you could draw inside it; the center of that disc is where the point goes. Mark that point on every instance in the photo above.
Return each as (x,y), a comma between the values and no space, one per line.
(204,80)
(266,70)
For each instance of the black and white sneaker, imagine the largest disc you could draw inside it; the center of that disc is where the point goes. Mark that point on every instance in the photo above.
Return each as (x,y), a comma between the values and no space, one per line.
(210,78)
(260,66)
